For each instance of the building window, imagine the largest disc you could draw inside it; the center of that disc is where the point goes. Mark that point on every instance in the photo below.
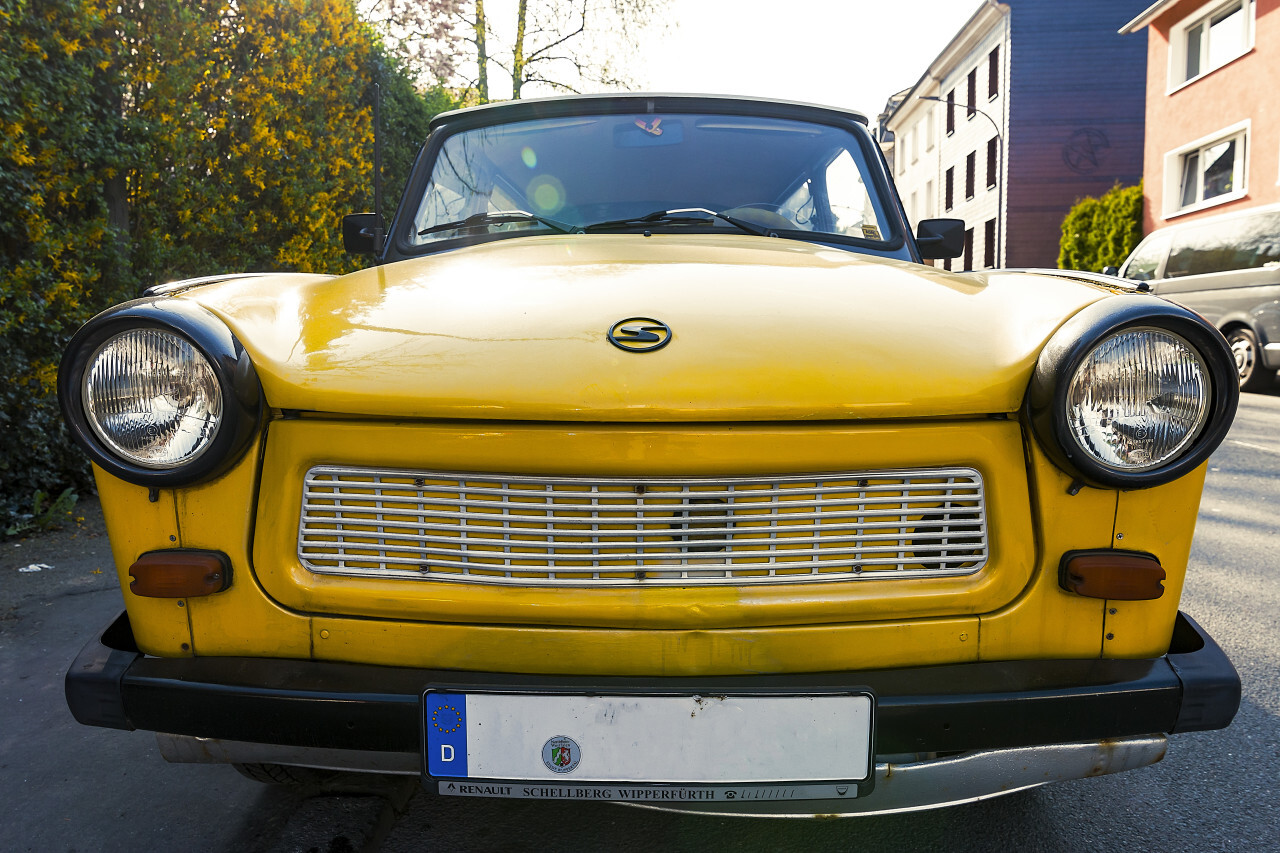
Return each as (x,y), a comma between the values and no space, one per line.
(973,92)
(928,198)
(929,128)
(970,166)
(913,212)
(1209,171)
(949,190)
(951,112)
(993,161)
(993,73)
(989,244)
(1209,39)
(968,248)
(914,136)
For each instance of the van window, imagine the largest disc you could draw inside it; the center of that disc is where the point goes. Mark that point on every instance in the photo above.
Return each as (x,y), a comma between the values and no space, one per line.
(1237,243)
(1146,259)
(1262,237)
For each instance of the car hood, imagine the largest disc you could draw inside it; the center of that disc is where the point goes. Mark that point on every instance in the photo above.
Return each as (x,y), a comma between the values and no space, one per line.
(761,329)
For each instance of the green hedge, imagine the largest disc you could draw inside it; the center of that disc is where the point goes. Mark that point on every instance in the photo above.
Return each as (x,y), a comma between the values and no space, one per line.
(62,155)
(147,140)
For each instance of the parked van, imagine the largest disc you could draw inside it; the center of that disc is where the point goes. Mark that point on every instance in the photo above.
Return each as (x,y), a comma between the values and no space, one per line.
(1227,268)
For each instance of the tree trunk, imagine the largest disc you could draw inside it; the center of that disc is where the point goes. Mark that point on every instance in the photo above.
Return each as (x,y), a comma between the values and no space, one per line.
(482,54)
(517,59)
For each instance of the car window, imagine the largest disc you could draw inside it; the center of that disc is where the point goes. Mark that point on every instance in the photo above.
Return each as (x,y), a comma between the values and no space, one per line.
(782,174)
(1145,260)
(850,201)
(1237,243)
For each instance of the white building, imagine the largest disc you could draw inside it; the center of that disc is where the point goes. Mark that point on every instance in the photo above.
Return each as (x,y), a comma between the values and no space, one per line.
(948,160)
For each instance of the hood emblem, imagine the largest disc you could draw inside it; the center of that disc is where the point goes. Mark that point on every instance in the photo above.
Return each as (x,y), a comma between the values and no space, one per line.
(640,334)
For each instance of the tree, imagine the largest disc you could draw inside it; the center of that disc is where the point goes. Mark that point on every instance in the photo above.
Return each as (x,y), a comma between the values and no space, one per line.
(1101,232)
(561,45)
(424,34)
(147,140)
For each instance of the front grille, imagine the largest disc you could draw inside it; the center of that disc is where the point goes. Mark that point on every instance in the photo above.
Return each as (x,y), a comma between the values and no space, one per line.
(559,531)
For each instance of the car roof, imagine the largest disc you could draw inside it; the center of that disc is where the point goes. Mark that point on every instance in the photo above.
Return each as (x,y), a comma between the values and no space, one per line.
(1233,213)
(638,102)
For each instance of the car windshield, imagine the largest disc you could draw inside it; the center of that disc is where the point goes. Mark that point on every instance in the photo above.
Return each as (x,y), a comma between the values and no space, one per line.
(674,172)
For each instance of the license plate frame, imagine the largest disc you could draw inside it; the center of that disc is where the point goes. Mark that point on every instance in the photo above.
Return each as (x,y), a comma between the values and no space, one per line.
(649,745)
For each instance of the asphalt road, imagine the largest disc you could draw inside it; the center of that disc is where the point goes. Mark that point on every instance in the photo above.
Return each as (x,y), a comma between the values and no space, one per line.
(67,787)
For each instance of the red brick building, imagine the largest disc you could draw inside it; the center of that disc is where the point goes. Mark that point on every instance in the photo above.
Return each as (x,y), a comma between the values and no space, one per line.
(1212,118)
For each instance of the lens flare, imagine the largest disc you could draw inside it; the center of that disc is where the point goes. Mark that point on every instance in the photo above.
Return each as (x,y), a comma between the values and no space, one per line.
(547,194)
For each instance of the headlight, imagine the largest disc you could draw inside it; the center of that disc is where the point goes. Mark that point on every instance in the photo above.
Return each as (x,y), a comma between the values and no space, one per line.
(1133,392)
(153,398)
(1138,399)
(158,392)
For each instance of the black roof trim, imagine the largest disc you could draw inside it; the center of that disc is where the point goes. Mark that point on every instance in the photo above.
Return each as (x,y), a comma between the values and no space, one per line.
(640,102)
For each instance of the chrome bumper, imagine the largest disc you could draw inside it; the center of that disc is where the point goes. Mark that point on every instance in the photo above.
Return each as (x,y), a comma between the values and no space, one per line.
(900,786)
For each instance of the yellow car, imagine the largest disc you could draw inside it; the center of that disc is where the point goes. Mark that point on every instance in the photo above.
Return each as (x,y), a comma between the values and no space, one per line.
(649,463)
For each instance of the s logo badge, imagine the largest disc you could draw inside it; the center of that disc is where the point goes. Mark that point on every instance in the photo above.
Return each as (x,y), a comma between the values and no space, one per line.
(640,334)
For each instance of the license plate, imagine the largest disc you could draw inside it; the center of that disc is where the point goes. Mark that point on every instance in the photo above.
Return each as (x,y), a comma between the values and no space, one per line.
(649,747)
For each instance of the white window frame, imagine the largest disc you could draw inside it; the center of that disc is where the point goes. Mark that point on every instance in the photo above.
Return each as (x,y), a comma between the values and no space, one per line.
(1174,166)
(1179,35)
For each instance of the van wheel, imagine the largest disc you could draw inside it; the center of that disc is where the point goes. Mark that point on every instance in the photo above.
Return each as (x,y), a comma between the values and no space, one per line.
(1244,346)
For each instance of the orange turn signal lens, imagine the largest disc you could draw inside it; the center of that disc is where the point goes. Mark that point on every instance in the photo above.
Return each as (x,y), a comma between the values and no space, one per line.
(1118,575)
(180,573)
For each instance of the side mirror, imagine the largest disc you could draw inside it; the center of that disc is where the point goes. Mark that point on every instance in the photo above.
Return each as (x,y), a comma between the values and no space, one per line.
(1111,271)
(940,238)
(362,233)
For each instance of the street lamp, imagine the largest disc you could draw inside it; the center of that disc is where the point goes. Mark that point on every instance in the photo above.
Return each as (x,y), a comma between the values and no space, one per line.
(999,169)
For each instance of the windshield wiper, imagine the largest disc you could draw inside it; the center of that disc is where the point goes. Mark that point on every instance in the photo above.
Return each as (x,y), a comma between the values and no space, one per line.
(500,217)
(681,216)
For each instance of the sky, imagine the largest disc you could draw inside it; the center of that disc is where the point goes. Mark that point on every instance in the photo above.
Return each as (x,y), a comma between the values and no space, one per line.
(844,53)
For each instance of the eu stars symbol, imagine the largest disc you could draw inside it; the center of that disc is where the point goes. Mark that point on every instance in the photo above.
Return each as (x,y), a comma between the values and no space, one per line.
(446,719)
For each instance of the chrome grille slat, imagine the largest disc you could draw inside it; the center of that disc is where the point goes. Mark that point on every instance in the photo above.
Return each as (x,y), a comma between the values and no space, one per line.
(917,538)
(639,508)
(561,531)
(569,525)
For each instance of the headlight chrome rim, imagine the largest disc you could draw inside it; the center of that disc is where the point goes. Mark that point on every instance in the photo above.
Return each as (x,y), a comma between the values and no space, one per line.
(232,375)
(1079,338)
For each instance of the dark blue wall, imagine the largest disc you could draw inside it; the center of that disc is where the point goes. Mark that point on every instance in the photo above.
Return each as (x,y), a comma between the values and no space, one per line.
(1077,102)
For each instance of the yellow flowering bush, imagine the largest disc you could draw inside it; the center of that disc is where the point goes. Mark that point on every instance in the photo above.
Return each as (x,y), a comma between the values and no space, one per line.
(147,140)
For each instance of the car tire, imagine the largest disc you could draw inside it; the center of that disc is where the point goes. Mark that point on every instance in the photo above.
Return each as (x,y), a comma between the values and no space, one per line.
(1244,346)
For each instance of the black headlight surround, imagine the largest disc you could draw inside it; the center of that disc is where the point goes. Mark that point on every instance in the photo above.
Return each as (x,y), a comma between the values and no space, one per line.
(1071,345)
(237,381)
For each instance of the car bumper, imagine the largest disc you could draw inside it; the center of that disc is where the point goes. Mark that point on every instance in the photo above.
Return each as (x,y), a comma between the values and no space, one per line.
(999,725)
